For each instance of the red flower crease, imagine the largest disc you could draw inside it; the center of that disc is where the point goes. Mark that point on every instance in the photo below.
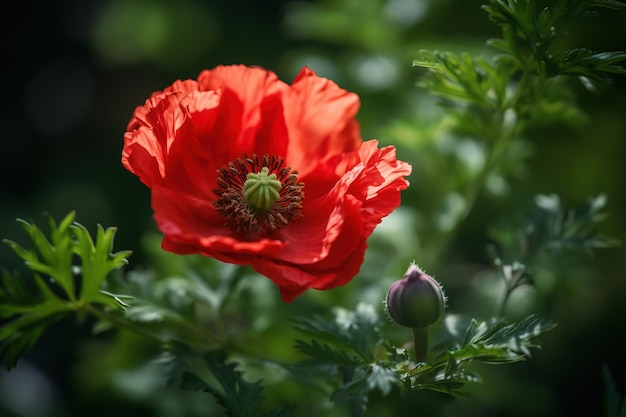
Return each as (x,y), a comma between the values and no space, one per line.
(247,169)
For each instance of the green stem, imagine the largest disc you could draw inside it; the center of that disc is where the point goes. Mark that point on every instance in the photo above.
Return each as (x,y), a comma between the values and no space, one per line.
(199,339)
(122,323)
(420,341)
(503,300)
(510,284)
(499,142)
(231,285)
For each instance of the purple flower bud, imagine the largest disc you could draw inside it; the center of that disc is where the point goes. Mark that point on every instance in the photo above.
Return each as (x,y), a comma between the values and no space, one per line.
(416,301)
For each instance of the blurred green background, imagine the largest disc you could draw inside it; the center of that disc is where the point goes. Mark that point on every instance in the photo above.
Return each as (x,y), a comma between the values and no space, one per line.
(75,70)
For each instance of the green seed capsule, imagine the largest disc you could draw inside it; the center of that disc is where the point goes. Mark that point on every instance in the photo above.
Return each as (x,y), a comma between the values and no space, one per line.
(261,189)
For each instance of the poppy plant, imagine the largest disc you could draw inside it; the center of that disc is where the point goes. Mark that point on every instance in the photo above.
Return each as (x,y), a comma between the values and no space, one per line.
(247,169)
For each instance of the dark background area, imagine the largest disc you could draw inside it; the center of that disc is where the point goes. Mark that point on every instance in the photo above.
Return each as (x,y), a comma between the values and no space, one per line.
(75,70)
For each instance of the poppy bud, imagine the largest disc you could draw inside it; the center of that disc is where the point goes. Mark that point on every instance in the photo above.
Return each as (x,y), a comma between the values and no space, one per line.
(416,301)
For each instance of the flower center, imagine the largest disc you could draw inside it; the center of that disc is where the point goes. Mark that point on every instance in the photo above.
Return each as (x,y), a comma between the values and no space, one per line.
(261,190)
(258,196)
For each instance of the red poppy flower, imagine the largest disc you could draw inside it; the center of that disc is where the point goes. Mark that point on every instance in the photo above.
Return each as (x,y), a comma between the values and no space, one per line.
(247,169)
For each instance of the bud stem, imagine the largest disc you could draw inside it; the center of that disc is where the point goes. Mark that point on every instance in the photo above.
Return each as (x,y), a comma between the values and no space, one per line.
(420,341)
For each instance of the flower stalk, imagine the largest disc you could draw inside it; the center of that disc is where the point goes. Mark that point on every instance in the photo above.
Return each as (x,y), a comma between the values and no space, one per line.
(420,343)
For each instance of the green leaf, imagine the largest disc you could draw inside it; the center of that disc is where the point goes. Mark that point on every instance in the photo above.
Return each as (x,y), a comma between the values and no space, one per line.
(517,338)
(514,339)
(614,402)
(25,312)
(239,397)
(53,257)
(609,4)
(382,377)
(63,263)
(322,352)
(356,331)
(551,229)
(70,242)
(461,77)
(353,394)
(469,341)
(493,341)
(167,307)
(528,35)
(23,332)
(97,261)
(353,351)
(591,68)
